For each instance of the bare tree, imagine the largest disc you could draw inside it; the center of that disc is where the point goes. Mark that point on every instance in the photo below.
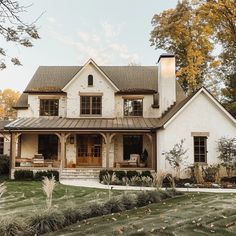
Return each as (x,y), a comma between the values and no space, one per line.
(14,29)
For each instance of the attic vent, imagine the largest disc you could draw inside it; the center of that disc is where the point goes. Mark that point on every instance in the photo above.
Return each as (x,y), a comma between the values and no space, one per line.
(155,100)
(90,80)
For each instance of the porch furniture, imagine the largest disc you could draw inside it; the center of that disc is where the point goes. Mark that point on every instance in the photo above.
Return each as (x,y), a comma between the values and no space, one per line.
(38,160)
(132,162)
(23,162)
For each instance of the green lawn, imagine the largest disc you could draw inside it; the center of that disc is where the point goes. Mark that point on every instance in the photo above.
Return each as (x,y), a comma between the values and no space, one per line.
(24,197)
(191,214)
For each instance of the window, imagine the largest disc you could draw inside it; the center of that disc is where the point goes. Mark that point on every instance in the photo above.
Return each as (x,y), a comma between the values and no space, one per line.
(48,146)
(49,107)
(200,148)
(1,145)
(133,107)
(90,105)
(90,80)
(132,144)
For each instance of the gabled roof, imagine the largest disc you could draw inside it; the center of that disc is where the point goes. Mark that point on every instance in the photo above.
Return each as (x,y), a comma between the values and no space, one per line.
(179,107)
(52,79)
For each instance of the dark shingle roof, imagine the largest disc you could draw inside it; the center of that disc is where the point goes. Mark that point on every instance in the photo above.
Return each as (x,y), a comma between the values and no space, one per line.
(54,78)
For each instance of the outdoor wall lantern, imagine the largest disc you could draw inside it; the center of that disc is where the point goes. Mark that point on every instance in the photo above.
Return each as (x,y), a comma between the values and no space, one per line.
(72,140)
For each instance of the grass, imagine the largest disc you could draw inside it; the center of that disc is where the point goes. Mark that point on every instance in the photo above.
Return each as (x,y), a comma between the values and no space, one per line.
(24,197)
(190,214)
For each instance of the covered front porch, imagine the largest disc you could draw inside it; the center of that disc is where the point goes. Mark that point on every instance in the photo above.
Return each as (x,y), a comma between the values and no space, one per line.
(70,150)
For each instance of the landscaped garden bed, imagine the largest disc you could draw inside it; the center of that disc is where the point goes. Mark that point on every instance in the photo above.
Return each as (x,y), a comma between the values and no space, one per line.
(24,210)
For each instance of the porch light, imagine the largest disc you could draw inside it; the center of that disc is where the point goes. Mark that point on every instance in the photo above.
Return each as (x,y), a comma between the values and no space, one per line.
(72,140)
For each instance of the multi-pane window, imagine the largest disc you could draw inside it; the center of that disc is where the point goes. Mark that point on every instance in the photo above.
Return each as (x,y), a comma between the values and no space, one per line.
(200,149)
(133,107)
(1,145)
(91,105)
(49,107)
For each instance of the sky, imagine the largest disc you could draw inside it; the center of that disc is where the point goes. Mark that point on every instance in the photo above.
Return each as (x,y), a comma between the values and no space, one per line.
(111,32)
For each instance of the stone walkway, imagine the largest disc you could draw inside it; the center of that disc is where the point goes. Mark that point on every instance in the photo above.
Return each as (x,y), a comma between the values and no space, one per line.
(95,184)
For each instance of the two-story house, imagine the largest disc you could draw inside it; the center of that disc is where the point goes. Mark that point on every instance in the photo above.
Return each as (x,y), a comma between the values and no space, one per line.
(102,116)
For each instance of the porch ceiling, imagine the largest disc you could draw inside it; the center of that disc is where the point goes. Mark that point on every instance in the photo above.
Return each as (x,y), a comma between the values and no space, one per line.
(57,123)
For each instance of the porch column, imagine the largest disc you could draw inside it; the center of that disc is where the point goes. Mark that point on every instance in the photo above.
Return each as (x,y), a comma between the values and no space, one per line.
(108,139)
(14,137)
(152,142)
(62,138)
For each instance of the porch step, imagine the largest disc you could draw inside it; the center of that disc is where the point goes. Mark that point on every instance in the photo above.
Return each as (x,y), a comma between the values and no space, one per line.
(84,174)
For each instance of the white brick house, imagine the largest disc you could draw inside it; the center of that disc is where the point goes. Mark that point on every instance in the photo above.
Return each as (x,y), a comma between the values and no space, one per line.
(98,116)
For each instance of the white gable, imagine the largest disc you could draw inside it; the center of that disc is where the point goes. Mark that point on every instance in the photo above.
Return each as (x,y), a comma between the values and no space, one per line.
(101,85)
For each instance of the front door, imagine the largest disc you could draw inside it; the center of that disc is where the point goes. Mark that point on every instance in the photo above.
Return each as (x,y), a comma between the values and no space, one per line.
(89,150)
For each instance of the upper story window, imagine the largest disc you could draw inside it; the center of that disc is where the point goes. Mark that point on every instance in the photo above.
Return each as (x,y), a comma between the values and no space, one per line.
(133,107)
(49,107)
(90,105)
(200,148)
(1,145)
(90,80)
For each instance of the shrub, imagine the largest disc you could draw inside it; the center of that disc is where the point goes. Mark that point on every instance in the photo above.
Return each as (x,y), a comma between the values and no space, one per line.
(147,181)
(146,173)
(71,215)
(129,201)
(96,209)
(102,173)
(154,196)
(40,174)
(231,180)
(24,175)
(114,205)
(182,182)
(120,174)
(132,173)
(13,227)
(136,181)
(143,198)
(158,178)
(210,173)
(4,164)
(46,221)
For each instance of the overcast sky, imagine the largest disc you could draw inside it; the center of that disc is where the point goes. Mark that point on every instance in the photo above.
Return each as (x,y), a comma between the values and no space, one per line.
(111,32)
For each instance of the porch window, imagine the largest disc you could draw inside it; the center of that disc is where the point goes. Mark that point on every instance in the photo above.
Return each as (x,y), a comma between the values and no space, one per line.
(200,149)
(133,107)
(132,144)
(48,146)
(91,105)
(1,145)
(49,107)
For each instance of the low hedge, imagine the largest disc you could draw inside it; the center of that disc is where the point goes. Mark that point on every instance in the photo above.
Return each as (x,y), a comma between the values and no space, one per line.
(24,175)
(46,221)
(231,180)
(4,164)
(38,176)
(120,174)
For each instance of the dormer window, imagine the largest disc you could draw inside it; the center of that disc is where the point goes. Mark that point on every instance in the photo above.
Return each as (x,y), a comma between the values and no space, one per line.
(49,107)
(133,107)
(90,80)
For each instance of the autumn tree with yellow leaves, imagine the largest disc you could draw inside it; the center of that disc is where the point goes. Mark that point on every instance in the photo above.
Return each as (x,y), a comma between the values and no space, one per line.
(8,99)
(202,35)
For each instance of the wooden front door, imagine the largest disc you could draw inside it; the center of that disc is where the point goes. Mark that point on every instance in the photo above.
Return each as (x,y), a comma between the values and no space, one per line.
(89,150)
